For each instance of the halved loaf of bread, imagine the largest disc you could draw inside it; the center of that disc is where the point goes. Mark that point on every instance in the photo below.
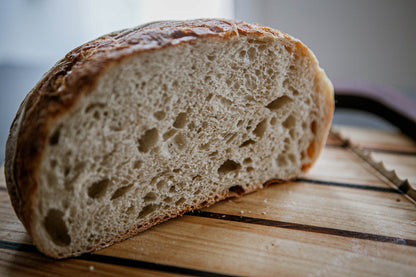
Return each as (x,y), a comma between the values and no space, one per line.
(144,124)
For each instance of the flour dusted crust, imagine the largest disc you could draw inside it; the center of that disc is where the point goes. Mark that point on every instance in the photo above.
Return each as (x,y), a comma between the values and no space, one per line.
(75,75)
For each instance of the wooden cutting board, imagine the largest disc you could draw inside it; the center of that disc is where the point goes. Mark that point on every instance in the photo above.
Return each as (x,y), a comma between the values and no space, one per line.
(343,218)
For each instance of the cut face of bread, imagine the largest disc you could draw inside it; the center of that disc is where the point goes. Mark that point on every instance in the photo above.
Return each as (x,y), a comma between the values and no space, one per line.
(164,131)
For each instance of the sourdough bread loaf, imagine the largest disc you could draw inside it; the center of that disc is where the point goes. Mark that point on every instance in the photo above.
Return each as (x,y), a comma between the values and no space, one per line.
(144,124)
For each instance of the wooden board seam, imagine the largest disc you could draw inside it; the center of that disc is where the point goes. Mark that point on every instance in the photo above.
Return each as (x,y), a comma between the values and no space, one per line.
(348,185)
(305,228)
(23,247)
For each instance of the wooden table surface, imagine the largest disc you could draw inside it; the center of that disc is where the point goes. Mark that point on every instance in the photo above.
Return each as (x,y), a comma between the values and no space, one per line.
(342,219)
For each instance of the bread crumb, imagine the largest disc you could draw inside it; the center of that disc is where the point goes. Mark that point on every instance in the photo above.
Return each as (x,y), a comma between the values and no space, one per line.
(263,213)
(265,200)
(91,268)
(241,212)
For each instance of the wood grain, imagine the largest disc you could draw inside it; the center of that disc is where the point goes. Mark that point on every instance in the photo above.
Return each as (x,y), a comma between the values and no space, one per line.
(342,219)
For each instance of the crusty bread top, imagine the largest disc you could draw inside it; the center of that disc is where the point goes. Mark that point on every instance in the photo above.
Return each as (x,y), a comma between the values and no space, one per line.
(61,87)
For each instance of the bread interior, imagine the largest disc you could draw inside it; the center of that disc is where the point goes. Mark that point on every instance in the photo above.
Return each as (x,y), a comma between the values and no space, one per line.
(175,129)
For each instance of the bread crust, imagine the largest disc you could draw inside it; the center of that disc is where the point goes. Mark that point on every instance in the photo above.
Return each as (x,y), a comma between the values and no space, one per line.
(77,73)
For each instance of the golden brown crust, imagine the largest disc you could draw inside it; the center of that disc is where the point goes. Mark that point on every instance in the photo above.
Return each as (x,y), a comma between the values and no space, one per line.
(76,74)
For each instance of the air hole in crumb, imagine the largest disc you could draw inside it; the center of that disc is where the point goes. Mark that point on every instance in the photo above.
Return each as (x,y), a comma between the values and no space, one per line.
(180,141)
(161,184)
(191,126)
(98,189)
(225,101)
(251,53)
(258,73)
(54,138)
(239,190)
(204,146)
(172,189)
(228,166)
(211,57)
(294,91)
(53,163)
(247,161)
(129,210)
(180,121)
(209,97)
(281,161)
(167,199)
(151,196)
(302,155)
(56,227)
(213,154)
(121,191)
(137,164)
(96,115)
(260,128)
(148,209)
(148,140)
(286,141)
(289,122)
(247,143)
(292,133)
(285,83)
(168,134)
(240,123)
(180,201)
(279,103)
(72,176)
(273,121)
(250,169)
(67,169)
(313,127)
(292,158)
(159,115)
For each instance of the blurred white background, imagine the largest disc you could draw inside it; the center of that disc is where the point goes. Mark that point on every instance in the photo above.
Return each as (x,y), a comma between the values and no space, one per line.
(355,40)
